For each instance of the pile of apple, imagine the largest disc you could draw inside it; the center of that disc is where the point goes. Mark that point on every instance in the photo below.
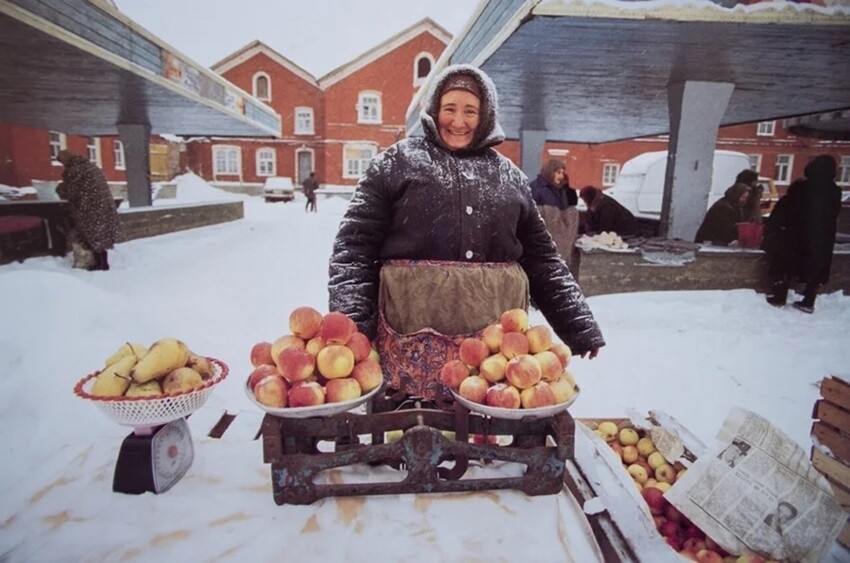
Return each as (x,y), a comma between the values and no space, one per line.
(324,360)
(653,475)
(511,366)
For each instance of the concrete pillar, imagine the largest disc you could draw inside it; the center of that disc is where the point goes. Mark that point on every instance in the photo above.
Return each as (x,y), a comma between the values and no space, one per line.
(136,138)
(531,143)
(695,109)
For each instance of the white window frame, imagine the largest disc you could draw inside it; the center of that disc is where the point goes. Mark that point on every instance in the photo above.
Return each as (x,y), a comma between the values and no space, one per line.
(265,165)
(782,170)
(610,169)
(354,168)
(842,178)
(236,161)
(57,142)
(118,151)
(766,129)
(418,80)
(304,122)
(755,163)
(93,150)
(364,113)
(312,152)
(254,79)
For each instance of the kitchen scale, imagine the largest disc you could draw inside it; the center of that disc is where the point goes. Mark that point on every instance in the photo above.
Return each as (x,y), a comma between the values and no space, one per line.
(153,458)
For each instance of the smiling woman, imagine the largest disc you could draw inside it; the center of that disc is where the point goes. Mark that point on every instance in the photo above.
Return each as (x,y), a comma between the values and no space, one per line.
(442,236)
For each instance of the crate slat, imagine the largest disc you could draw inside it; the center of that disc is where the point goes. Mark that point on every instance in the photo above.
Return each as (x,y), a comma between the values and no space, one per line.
(833,415)
(844,536)
(842,494)
(836,391)
(832,468)
(838,443)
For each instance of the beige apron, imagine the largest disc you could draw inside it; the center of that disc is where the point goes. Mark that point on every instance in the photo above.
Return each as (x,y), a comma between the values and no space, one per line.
(427,308)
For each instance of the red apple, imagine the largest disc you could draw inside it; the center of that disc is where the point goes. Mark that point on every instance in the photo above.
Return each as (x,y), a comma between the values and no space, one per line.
(549,364)
(259,373)
(295,365)
(492,336)
(306,394)
(360,346)
(630,454)
(514,344)
(261,354)
(271,391)
(284,342)
(523,372)
(337,328)
(314,345)
(472,351)
(341,390)
(563,352)
(453,373)
(304,322)
(474,388)
(503,396)
(514,320)
(536,396)
(492,368)
(539,339)
(368,374)
(655,499)
(335,361)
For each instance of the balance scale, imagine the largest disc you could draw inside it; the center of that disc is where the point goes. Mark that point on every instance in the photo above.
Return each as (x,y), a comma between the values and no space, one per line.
(153,458)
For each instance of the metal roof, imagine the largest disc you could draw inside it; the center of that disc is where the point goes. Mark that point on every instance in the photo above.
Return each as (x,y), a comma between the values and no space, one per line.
(596,72)
(82,67)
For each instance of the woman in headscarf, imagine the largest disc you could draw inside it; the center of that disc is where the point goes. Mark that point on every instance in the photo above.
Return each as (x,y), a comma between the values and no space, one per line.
(556,201)
(442,236)
(720,225)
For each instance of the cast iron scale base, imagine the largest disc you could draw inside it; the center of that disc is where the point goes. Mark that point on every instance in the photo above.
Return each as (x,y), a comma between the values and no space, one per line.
(290,446)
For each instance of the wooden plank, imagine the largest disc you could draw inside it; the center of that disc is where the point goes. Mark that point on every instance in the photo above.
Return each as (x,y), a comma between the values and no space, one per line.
(832,468)
(838,443)
(833,415)
(842,494)
(836,391)
(245,427)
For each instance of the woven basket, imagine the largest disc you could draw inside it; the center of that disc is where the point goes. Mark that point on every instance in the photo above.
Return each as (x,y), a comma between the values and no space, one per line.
(155,410)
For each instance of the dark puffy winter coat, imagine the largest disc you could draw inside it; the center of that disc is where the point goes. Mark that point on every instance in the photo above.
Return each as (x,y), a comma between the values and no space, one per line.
(310,185)
(545,194)
(92,205)
(605,214)
(418,200)
(813,211)
(720,225)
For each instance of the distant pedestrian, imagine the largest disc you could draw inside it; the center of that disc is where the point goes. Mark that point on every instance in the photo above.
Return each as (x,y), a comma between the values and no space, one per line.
(720,225)
(556,201)
(605,214)
(810,217)
(94,218)
(310,185)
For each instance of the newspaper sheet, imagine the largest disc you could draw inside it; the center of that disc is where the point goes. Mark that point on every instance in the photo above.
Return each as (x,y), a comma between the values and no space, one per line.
(758,492)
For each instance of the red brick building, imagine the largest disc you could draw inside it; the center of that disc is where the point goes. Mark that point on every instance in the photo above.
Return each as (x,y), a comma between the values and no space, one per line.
(336,123)
(332,125)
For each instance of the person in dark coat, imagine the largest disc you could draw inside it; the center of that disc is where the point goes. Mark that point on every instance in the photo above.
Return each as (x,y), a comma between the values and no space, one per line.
(778,246)
(812,219)
(556,201)
(720,225)
(442,235)
(605,214)
(94,217)
(310,185)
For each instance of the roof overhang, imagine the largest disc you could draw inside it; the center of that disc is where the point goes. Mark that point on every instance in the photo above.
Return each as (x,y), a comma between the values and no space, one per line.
(598,71)
(82,67)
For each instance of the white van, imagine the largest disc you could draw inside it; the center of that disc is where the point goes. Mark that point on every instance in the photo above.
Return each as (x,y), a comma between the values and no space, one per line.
(640,185)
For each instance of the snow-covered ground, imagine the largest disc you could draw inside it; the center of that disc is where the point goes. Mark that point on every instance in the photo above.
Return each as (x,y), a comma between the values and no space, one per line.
(225,287)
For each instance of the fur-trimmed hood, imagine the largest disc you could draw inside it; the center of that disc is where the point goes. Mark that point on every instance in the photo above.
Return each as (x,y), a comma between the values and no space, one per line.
(489,131)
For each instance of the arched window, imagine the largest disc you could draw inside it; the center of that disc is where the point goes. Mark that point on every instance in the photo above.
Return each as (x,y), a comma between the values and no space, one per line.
(422,65)
(262,87)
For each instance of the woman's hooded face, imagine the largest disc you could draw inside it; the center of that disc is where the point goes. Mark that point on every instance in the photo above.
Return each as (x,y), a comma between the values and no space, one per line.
(458,118)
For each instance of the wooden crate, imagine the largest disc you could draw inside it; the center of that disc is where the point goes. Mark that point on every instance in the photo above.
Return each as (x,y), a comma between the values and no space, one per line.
(831,429)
